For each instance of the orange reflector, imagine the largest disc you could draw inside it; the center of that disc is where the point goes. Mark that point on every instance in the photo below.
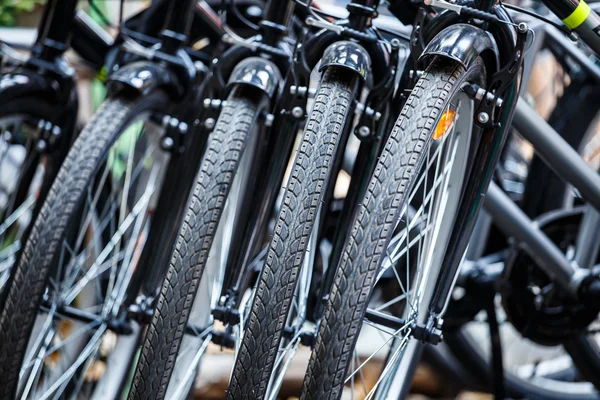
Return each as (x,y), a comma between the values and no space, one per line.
(444,124)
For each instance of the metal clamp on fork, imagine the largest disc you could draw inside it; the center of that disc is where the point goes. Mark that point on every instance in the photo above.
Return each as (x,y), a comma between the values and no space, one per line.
(429,333)
(490,99)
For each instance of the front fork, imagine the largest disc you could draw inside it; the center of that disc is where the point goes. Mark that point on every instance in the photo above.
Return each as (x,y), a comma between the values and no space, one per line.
(495,118)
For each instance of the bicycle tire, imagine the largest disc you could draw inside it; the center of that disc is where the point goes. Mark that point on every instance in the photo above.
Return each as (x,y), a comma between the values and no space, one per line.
(304,193)
(373,227)
(165,333)
(41,251)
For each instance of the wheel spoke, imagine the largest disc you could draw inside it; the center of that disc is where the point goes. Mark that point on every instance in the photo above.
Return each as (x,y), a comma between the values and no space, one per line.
(93,271)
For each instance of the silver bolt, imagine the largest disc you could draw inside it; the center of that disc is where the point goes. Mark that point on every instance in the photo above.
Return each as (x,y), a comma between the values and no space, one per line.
(174,122)
(167,143)
(56,130)
(183,127)
(297,112)
(573,36)
(254,11)
(523,27)
(359,108)
(298,90)
(209,123)
(364,131)
(302,90)
(269,118)
(415,74)
(41,145)
(483,117)
(206,103)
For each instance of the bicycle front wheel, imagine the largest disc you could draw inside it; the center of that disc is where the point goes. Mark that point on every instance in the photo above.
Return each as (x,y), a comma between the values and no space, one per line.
(62,318)
(285,276)
(364,347)
(182,322)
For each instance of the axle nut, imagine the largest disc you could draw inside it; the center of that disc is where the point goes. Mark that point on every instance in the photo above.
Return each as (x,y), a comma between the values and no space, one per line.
(483,117)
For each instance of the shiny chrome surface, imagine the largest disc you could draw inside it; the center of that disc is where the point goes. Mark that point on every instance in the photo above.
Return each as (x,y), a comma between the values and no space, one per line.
(142,76)
(460,42)
(347,55)
(257,72)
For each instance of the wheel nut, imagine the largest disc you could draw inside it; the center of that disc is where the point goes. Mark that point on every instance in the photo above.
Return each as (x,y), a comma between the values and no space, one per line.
(364,131)
(297,112)
(483,117)
(209,123)
(41,145)
(167,143)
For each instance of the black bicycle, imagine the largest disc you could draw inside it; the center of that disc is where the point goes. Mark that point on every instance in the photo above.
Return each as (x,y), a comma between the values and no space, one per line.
(66,328)
(416,219)
(208,294)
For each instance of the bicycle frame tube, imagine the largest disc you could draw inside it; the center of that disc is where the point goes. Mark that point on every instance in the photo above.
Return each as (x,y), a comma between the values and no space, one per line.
(54,29)
(549,257)
(588,245)
(277,17)
(578,16)
(555,37)
(557,153)
(362,13)
(177,24)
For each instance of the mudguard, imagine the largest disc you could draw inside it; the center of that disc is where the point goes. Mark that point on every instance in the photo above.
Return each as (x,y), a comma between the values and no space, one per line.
(143,77)
(348,55)
(257,72)
(463,43)
(27,83)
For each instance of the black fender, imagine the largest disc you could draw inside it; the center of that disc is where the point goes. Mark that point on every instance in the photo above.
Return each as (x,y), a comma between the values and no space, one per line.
(463,43)
(257,72)
(22,83)
(143,77)
(348,55)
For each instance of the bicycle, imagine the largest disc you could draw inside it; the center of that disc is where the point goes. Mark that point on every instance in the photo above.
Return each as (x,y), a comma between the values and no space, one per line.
(399,210)
(215,264)
(67,310)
